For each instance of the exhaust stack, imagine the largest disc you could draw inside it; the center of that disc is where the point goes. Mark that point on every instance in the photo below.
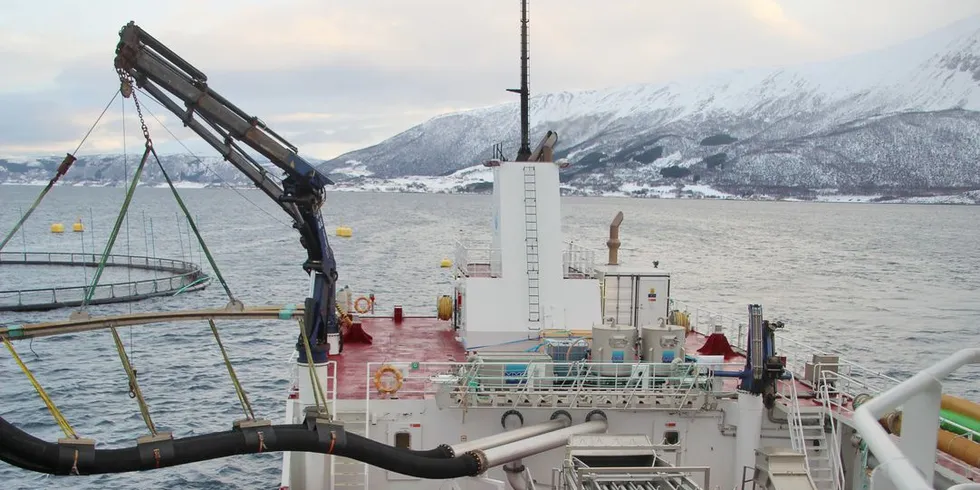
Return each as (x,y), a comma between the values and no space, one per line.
(614,242)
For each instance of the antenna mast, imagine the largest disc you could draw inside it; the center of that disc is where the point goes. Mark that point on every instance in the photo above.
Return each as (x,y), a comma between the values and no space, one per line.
(524,153)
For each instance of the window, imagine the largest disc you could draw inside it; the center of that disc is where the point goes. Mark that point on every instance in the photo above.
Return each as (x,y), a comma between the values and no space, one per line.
(672,437)
(403,440)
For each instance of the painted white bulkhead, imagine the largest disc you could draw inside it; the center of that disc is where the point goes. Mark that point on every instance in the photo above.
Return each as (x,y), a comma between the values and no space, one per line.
(534,285)
(704,438)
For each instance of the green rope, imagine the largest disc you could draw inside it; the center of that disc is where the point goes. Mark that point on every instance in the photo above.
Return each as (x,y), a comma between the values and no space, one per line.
(134,386)
(28,213)
(242,396)
(195,283)
(314,378)
(200,239)
(116,227)
(69,159)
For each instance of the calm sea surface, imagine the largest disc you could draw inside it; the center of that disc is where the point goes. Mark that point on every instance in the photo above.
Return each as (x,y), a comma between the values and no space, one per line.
(895,287)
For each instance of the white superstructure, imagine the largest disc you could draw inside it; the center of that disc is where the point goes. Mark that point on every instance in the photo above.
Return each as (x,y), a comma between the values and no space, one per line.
(604,389)
(526,278)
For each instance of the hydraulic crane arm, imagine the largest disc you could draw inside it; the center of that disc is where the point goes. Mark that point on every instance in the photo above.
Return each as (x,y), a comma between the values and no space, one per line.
(166,77)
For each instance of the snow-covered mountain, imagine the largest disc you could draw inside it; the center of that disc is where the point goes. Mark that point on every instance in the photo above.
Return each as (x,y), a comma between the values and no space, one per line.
(898,120)
(112,170)
(889,124)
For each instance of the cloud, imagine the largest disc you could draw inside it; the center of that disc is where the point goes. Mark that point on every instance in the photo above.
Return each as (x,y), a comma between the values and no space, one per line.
(335,76)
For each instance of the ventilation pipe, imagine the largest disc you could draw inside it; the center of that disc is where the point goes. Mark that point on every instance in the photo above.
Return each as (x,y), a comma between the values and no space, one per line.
(613,242)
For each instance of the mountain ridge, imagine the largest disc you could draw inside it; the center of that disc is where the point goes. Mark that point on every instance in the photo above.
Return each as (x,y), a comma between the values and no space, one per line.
(901,118)
(896,121)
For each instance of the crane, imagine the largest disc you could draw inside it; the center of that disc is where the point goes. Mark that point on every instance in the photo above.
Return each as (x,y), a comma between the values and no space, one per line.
(147,63)
(168,78)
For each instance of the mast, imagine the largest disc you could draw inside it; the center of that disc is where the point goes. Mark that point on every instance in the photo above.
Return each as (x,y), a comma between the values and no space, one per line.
(524,153)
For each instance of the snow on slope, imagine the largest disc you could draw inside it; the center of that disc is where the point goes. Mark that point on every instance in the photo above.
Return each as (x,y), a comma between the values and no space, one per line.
(477,178)
(902,116)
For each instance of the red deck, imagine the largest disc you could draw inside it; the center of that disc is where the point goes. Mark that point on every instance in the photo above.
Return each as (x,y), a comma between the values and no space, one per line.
(695,341)
(427,339)
(413,339)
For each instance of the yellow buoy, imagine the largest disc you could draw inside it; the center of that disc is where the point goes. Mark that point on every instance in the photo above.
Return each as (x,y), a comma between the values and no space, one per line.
(78,226)
(445,307)
(57,228)
(445,263)
(344,231)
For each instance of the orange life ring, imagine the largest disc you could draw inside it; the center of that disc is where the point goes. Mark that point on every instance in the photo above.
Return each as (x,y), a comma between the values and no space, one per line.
(382,388)
(367,305)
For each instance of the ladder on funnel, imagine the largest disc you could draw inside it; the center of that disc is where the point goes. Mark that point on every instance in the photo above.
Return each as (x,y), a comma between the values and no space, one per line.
(531,245)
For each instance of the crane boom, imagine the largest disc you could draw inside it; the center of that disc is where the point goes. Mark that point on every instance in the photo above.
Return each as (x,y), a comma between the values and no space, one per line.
(166,76)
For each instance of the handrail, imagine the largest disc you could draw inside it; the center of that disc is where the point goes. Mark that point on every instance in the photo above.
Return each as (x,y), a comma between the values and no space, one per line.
(836,468)
(796,352)
(903,471)
(578,261)
(498,384)
(478,252)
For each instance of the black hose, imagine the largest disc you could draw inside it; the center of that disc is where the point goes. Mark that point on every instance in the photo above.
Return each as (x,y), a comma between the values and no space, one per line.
(21,449)
(442,451)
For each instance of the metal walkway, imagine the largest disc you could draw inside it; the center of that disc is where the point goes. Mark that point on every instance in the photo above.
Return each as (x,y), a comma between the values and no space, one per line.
(182,275)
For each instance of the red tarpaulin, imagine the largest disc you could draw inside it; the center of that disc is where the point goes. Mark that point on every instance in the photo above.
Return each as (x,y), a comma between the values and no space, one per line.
(717,345)
(354,334)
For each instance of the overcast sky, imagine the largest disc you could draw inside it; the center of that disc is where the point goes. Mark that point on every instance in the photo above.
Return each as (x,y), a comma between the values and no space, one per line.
(333,76)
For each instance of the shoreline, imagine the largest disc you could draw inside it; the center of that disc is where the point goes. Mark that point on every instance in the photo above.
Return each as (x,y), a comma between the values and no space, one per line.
(946,199)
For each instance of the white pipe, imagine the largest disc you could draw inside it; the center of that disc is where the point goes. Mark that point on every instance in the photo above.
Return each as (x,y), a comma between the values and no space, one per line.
(900,470)
(749,431)
(517,476)
(499,455)
(510,436)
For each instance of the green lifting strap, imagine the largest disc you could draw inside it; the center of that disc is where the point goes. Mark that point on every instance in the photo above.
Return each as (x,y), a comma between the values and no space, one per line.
(62,169)
(200,239)
(116,227)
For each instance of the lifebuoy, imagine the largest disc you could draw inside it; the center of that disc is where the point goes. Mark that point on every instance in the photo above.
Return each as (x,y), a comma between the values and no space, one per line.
(382,388)
(367,305)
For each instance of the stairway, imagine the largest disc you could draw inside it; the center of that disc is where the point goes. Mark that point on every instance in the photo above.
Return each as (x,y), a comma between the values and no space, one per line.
(531,245)
(349,473)
(808,428)
(808,436)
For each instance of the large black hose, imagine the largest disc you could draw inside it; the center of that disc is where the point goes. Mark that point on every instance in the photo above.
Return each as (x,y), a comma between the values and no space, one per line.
(21,449)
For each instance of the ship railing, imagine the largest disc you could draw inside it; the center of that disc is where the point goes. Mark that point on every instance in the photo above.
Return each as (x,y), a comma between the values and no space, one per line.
(482,384)
(835,385)
(909,464)
(797,354)
(328,382)
(568,477)
(704,322)
(578,262)
(828,393)
(789,394)
(478,259)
